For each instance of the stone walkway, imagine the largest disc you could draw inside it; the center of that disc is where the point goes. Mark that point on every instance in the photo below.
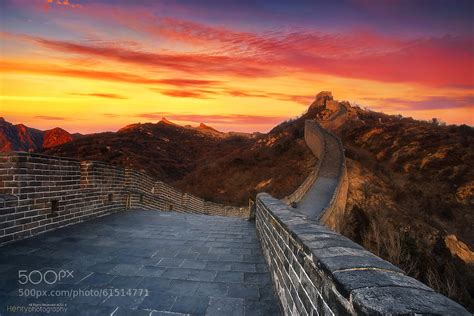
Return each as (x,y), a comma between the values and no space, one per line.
(154,263)
(320,194)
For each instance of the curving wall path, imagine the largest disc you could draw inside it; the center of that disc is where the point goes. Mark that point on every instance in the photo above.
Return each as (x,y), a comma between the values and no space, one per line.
(316,271)
(327,147)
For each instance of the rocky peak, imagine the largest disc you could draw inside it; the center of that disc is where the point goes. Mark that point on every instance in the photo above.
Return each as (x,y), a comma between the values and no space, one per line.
(129,127)
(207,127)
(54,137)
(164,120)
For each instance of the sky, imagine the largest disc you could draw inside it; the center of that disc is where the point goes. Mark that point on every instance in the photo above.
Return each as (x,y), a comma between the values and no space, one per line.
(98,65)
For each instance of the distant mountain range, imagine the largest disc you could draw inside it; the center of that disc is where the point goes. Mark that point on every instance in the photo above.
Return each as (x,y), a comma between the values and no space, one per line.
(23,138)
(218,166)
(20,137)
(222,167)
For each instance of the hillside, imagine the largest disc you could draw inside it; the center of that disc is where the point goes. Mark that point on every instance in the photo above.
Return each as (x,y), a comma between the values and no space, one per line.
(222,167)
(411,197)
(23,138)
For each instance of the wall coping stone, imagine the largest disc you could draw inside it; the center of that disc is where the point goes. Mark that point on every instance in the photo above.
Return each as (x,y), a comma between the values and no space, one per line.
(368,284)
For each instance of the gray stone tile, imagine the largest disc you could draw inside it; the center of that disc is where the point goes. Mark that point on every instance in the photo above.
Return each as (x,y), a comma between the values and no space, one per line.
(126,282)
(191,304)
(261,308)
(150,271)
(219,250)
(229,276)
(126,269)
(90,310)
(170,262)
(266,292)
(225,306)
(193,264)
(97,279)
(248,291)
(120,311)
(253,259)
(244,267)
(125,301)
(257,278)
(187,255)
(218,266)
(182,287)
(231,257)
(207,256)
(154,284)
(158,301)
(214,289)
(202,275)
(102,267)
(176,273)
(162,313)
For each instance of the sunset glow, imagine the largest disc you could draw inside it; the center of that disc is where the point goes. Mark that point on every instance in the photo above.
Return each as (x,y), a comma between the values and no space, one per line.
(98,65)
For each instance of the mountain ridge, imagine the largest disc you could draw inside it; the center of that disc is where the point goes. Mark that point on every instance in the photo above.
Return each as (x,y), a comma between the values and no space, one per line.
(20,137)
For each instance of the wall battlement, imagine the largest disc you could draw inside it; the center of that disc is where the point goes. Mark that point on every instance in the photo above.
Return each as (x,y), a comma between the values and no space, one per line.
(40,193)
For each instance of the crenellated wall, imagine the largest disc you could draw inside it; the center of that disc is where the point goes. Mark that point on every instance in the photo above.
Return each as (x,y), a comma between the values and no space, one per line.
(317,271)
(40,193)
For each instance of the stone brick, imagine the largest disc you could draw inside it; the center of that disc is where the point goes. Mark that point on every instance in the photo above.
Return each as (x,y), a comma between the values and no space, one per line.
(318,272)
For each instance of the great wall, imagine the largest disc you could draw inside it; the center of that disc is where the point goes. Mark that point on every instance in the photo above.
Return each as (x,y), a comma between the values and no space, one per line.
(40,193)
(314,270)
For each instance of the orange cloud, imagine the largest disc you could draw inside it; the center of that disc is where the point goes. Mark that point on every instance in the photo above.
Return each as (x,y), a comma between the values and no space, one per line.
(101,95)
(230,119)
(429,103)
(50,118)
(197,94)
(55,70)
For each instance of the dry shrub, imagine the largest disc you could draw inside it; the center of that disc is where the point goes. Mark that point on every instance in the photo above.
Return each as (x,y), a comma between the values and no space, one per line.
(433,266)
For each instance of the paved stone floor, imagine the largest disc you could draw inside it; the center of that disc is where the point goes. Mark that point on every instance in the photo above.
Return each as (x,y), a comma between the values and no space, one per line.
(154,263)
(320,194)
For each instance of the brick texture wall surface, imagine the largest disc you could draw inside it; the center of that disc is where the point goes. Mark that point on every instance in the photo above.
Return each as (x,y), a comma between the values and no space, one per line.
(40,193)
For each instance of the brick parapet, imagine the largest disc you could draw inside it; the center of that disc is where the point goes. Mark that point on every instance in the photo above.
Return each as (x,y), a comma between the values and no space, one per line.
(39,193)
(317,271)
